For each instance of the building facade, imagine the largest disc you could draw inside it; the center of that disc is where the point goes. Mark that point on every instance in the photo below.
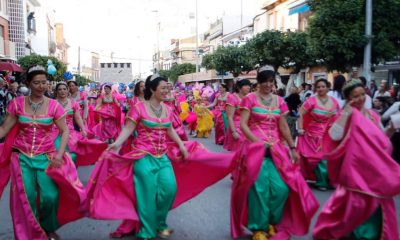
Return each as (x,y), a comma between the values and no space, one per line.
(116,72)
(61,44)
(17,26)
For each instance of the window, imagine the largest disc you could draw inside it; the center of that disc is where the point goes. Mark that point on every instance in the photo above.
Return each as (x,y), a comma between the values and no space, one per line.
(115,65)
(102,65)
(122,65)
(109,65)
(31,22)
(128,65)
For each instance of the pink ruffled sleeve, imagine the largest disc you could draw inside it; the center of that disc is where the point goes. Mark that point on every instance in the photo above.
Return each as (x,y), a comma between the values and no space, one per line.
(59,111)
(283,106)
(247,103)
(134,114)
(12,107)
(231,100)
(309,104)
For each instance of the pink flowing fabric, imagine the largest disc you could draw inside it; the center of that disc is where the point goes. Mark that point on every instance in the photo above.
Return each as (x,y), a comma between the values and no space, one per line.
(111,193)
(300,206)
(72,195)
(316,123)
(176,121)
(110,123)
(367,178)
(5,157)
(87,150)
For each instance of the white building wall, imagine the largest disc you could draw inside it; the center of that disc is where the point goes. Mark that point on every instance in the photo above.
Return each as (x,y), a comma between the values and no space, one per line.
(109,72)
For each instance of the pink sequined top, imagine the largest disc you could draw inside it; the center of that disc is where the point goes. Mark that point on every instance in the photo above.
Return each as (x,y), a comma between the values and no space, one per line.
(319,117)
(34,131)
(151,132)
(234,100)
(70,115)
(264,121)
(221,101)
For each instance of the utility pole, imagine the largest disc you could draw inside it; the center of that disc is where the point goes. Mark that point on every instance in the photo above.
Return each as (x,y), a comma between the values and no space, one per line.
(241,14)
(158,42)
(79,60)
(197,39)
(368,34)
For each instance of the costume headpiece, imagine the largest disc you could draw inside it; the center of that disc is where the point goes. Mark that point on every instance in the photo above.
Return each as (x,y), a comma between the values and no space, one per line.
(351,83)
(266,68)
(154,76)
(37,68)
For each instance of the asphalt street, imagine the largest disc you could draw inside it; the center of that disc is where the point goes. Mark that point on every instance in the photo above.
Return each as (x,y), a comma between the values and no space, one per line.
(204,217)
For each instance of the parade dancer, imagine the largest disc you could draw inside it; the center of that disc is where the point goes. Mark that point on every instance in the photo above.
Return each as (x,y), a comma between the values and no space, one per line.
(171,102)
(142,185)
(315,115)
(269,194)
(80,98)
(220,119)
(138,94)
(365,175)
(204,116)
(234,136)
(46,192)
(83,151)
(109,111)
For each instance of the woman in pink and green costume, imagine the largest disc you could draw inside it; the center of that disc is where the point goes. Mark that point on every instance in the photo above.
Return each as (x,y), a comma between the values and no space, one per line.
(150,179)
(315,115)
(109,111)
(358,152)
(269,194)
(46,192)
(80,98)
(220,119)
(83,151)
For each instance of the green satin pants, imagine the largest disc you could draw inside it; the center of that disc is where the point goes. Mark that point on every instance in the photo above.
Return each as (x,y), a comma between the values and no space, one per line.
(57,145)
(267,198)
(37,183)
(155,188)
(370,229)
(321,174)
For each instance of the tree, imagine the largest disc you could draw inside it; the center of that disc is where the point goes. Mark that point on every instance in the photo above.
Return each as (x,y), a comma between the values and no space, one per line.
(269,48)
(281,49)
(233,59)
(336,32)
(177,70)
(81,80)
(34,59)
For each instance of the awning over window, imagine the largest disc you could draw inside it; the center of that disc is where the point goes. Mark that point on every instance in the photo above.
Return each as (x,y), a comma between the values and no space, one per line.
(299,9)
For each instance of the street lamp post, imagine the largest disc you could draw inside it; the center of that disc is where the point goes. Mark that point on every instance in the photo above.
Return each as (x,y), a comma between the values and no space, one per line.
(197,40)
(368,34)
(158,40)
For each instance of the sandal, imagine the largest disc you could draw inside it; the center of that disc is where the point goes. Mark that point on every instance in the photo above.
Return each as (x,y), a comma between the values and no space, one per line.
(53,236)
(166,233)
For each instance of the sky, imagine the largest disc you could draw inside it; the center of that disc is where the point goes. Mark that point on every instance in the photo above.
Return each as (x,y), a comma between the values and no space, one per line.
(128,28)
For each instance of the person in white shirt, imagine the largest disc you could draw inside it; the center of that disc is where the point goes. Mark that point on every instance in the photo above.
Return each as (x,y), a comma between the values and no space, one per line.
(338,83)
(382,92)
(368,99)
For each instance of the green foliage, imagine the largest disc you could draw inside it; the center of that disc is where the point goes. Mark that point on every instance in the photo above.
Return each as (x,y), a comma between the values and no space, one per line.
(177,70)
(233,59)
(336,31)
(208,61)
(81,80)
(34,59)
(281,49)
